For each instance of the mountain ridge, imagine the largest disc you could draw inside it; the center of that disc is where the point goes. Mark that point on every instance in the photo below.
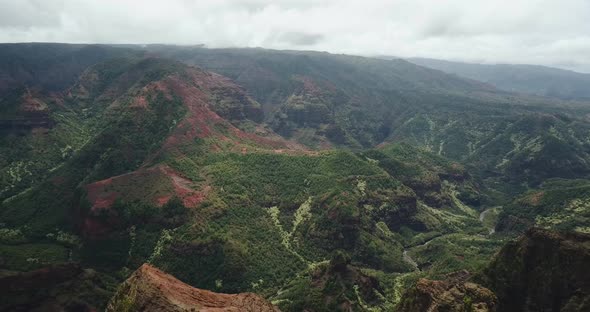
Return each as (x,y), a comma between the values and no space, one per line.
(531,79)
(282,173)
(149,289)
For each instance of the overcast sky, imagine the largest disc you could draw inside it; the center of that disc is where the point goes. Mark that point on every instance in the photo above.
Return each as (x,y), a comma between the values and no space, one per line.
(548,32)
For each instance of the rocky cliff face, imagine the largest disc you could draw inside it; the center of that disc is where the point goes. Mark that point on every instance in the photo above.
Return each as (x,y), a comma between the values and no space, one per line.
(149,289)
(454,294)
(336,285)
(542,271)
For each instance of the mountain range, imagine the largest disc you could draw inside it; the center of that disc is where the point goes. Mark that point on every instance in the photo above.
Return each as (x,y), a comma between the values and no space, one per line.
(320,182)
(525,79)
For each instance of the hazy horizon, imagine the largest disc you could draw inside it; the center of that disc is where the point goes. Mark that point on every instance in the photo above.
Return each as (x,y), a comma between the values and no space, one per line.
(539,32)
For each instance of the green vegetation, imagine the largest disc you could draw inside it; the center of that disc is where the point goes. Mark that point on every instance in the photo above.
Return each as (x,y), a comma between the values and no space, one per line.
(26,257)
(557,204)
(126,138)
(454,252)
(328,216)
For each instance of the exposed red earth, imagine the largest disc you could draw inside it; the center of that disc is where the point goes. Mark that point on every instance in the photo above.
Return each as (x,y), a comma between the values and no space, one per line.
(30,103)
(198,92)
(160,183)
(201,120)
(149,289)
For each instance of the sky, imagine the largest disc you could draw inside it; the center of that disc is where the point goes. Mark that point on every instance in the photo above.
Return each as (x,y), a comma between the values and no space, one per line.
(545,32)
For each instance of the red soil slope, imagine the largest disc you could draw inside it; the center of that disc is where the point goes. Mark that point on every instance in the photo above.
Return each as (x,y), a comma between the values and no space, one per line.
(156,183)
(203,122)
(149,289)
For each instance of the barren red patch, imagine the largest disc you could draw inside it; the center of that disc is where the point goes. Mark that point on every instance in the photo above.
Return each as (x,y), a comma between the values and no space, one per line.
(154,185)
(139,102)
(161,201)
(98,196)
(202,122)
(535,199)
(32,104)
(184,190)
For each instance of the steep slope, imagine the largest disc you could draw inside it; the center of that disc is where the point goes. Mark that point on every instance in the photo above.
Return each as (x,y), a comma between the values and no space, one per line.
(542,271)
(558,204)
(149,289)
(453,294)
(40,126)
(238,188)
(135,102)
(50,67)
(539,80)
(315,96)
(322,100)
(179,170)
(334,285)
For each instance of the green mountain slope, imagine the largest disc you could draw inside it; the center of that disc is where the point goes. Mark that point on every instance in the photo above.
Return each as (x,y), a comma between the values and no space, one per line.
(557,204)
(324,100)
(319,97)
(334,178)
(540,271)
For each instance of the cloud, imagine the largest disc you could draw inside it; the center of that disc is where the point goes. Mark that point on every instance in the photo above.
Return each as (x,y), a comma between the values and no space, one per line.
(301,39)
(548,32)
(27,14)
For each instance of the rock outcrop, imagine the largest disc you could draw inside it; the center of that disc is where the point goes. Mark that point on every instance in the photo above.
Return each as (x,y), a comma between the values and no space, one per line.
(454,294)
(542,271)
(149,289)
(336,285)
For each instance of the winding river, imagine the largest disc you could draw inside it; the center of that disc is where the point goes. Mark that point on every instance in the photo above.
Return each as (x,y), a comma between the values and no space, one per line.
(482,217)
(408,259)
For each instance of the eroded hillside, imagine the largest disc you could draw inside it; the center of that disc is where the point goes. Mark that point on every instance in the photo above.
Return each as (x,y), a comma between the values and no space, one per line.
(317,181)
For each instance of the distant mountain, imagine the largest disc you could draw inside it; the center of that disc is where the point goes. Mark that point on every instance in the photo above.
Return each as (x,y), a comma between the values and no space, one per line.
(531,79)
(325,100)
(50,67)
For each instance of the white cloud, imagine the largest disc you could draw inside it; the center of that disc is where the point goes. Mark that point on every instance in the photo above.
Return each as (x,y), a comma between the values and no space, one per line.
(549,32)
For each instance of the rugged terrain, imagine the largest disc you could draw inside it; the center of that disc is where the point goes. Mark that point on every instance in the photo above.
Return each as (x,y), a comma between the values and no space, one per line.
(317,181)
(541,271)
(149,289)
(454,293)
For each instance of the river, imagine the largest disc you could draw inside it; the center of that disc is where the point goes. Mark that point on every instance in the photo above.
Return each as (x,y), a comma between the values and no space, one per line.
(482,217)
(408,259)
